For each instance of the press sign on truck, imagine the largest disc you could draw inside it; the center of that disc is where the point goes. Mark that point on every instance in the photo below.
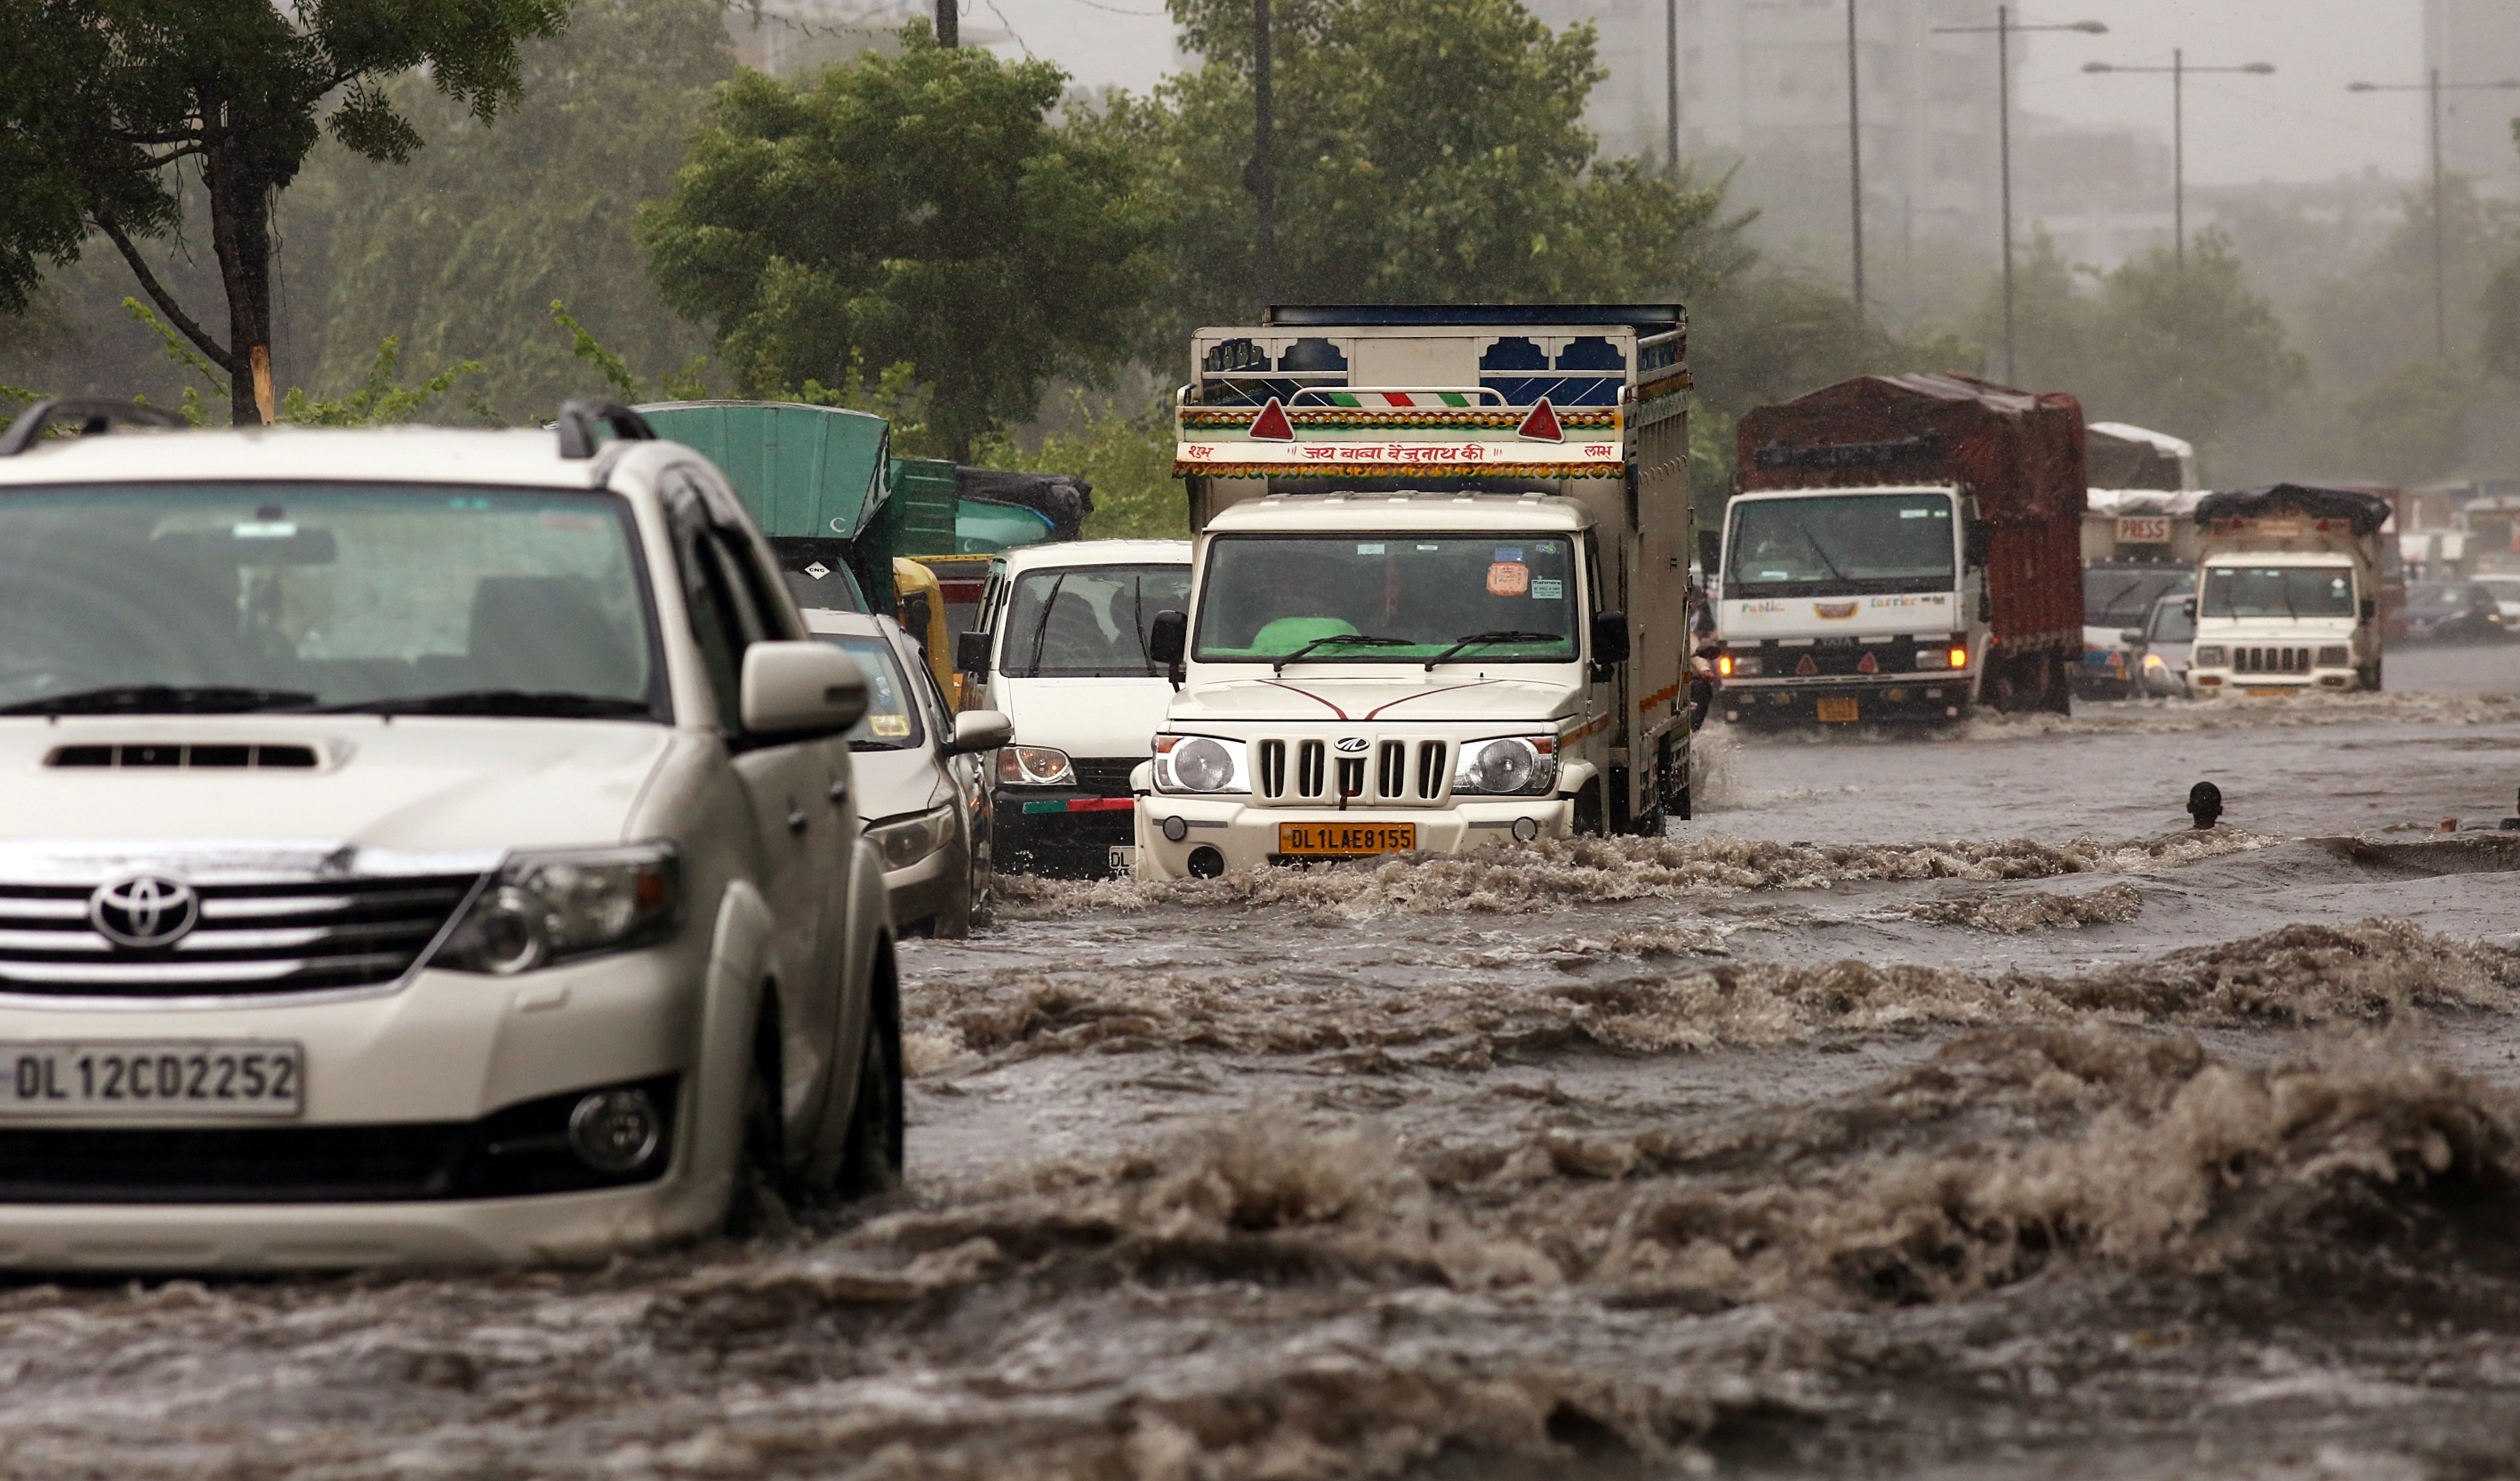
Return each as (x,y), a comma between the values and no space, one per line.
(1440,588)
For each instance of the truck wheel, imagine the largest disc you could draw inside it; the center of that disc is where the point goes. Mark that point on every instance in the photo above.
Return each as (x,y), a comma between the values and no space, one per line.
(1681,806)
(1587,810)
(872,1162)
(2060,684)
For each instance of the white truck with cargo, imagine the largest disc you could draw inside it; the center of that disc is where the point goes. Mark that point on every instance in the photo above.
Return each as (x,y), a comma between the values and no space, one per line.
(2288,588)
(1439,594)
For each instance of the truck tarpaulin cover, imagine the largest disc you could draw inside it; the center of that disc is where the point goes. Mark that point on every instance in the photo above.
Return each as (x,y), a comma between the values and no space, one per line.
(2019,454)
(2365,512)
(1061,498)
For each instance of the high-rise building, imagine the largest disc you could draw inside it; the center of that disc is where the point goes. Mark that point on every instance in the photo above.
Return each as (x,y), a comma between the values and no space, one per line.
(1764,82)
(2476,41)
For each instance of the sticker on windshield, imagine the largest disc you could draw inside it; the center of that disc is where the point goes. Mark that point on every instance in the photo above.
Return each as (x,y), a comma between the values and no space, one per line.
(264,530)
(1508,579)
(1369,551)
(1515,554)
(1548,590)
(818,571)
(1430,547)
(573,524)
(890,726)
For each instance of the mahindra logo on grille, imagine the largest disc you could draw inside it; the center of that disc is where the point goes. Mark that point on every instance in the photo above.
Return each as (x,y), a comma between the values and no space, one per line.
(143,910)
(1351,745)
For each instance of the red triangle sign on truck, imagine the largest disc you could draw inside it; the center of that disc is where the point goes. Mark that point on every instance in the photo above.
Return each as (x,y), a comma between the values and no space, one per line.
(1542,424)
(1270,425)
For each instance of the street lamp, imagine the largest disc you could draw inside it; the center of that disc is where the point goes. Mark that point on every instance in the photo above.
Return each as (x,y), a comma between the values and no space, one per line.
(2432,87)
(2004,29)
(2179,71)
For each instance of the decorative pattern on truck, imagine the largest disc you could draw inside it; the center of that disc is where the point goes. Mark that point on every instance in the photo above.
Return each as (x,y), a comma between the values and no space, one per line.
(1342,441)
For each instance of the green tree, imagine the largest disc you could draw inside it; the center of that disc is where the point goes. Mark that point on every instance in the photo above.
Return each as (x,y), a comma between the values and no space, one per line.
(2411,424)
(1127,459)
(2185,352)
(919,208)
(461,252)
(1427,150)
(102,100)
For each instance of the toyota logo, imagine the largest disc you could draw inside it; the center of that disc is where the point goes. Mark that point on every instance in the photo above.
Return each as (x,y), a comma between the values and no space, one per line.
(144,910)
(1351,745)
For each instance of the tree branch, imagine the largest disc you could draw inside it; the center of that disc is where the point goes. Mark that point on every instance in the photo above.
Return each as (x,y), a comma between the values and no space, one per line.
(166,300)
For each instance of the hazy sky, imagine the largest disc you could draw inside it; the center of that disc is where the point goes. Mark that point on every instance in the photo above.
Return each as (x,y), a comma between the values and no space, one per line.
(2298,124)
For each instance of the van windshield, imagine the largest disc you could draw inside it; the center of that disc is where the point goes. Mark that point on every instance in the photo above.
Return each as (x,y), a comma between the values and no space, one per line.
(1841,545)
(2278,591)
(1389,598)
(195,597)
(1088,622)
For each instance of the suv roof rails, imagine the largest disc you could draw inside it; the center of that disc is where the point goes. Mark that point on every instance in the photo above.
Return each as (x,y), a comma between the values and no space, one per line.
(93,414)
(577,421)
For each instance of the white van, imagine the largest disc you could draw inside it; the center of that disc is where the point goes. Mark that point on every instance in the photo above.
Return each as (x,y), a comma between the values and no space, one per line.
(1060,649)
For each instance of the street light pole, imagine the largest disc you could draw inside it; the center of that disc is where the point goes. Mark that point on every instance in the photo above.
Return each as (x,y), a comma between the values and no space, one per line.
(1670,86)
(2179,71)
(1263,178)
(2003,30)
(1855,155)
(949,22)
(2432,87)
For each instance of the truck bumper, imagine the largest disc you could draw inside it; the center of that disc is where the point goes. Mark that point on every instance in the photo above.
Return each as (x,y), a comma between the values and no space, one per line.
(1059,831)
(1237,836)
(1945,696)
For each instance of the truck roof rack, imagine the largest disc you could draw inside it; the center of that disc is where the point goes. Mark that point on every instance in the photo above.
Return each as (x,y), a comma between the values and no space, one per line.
(577,421)
(1642,316)
(95,415)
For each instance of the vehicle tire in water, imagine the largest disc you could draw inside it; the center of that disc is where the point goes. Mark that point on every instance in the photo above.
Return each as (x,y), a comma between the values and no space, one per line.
(759,1206)
(1587,821)
(872,1161)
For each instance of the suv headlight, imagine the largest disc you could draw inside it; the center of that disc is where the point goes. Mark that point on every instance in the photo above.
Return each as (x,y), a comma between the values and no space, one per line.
(1201,764)
(2334,657)
(1515,765)
(2209,656)
(905,841)
(1035,767)
(550,907)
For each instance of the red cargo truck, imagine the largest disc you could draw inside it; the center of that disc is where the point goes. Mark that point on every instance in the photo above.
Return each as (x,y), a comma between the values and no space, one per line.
(1903,547)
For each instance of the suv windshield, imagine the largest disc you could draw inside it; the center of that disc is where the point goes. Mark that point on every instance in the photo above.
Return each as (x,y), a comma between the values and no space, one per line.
(1086,621)
(1405,599)
(2278,591)
(1842,546)
(448,598)
(891,721)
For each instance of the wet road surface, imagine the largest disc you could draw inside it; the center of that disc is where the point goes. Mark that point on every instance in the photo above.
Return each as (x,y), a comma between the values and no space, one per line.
(1933,1104)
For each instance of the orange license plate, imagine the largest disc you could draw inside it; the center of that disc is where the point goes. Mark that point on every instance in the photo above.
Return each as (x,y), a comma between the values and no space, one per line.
(1346,839)
(1837,711)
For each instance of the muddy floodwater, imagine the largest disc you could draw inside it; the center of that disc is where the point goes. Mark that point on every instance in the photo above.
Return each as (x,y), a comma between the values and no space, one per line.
(1933,1104)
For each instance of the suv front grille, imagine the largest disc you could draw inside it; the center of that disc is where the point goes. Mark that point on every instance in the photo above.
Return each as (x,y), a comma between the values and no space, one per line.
(2270,659)
(1399,771)
(251,938)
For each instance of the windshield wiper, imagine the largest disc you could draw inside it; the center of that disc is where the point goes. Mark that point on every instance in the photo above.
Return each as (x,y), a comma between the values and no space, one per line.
(162,699)
(1356,639)
(1480,639)
(1821,551)
(545,703)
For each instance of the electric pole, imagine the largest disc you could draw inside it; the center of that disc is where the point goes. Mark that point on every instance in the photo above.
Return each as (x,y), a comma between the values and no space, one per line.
(1855,156)
(2002,31)
(1670,86)
(2432,87)
(2179,71)
(949,22)
(1262,175)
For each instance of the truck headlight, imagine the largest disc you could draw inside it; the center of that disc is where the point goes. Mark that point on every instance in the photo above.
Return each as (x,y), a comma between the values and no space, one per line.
(1201,764)
(1035,767)
(2208,657)
(549,908)
(905,841)
(1512,766)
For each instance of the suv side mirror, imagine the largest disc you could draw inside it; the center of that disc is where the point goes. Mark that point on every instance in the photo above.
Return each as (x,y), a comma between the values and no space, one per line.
(971,652)
(1609,637)
(2131,637)
(981,730)
(1168,638)
(800,688)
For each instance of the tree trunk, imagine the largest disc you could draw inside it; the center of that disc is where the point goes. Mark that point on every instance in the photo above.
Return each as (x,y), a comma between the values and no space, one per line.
(240,190)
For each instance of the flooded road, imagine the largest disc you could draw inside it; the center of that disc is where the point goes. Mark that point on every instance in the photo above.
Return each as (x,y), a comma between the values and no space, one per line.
(1933,1104)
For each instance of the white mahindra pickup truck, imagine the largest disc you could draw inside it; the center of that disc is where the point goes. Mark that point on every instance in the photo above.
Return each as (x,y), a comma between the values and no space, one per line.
(421,846)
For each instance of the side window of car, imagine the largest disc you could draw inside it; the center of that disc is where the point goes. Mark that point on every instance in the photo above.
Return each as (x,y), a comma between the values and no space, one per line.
(718,616)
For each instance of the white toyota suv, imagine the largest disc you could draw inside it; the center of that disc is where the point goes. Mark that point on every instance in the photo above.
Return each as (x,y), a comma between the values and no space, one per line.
(418,845)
